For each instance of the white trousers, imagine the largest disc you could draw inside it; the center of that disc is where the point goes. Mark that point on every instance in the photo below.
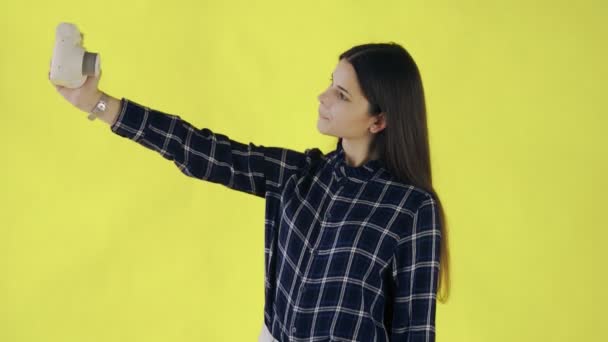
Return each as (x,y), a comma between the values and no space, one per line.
(265,335)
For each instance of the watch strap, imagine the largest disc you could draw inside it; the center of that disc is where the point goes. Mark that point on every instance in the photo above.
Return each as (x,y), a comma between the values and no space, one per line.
(100,107)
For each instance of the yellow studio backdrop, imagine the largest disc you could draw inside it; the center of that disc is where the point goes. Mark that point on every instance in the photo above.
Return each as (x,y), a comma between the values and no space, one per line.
(103,240)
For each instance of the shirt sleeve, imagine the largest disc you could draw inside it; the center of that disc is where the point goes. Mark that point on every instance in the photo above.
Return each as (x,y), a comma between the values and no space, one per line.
(207,155)
(415,275)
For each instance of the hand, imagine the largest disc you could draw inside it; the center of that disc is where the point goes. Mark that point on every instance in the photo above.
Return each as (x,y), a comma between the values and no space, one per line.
(84,97)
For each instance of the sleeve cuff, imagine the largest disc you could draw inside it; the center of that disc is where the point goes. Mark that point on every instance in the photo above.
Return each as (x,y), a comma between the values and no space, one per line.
(131,120)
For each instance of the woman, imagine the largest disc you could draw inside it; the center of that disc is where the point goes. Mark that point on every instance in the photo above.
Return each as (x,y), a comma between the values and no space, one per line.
(354,239)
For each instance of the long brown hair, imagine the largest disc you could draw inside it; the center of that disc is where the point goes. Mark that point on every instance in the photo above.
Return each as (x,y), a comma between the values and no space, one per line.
(390,81)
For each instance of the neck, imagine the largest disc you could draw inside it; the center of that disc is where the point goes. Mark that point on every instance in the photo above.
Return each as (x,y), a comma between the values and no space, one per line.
(356,152)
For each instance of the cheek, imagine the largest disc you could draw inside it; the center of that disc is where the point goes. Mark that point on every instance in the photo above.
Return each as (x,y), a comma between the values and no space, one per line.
(339,108)
(346,123)
(341,122)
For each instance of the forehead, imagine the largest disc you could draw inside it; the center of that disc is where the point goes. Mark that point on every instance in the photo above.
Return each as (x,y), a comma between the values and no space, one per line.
(344,75)
(344,69)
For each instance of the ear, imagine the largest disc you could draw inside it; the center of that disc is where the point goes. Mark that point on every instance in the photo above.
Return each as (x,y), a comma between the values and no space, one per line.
(378,124)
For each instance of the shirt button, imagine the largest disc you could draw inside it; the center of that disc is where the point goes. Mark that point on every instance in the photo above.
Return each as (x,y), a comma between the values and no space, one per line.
(293,329)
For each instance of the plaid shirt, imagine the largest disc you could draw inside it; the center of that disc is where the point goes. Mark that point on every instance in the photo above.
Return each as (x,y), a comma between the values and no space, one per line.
(351,254)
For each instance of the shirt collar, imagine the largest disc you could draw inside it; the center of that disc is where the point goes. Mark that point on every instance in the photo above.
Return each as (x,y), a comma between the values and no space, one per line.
(369,170)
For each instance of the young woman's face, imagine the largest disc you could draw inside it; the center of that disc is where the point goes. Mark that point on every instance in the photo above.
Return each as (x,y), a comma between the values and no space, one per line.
(342,108)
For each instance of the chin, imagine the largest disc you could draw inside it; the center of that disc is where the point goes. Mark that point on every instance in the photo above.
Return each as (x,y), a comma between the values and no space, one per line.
(324,131)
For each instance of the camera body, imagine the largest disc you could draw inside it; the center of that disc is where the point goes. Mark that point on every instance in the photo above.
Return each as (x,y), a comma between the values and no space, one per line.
(71,64)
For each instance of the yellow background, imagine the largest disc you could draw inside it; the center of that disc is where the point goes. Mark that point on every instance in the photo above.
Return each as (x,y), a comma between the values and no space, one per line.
(102,240)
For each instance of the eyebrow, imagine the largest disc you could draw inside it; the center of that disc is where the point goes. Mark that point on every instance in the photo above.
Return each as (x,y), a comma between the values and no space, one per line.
(332,77)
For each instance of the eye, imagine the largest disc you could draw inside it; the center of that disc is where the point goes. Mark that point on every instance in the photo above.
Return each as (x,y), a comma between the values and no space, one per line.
(340,95)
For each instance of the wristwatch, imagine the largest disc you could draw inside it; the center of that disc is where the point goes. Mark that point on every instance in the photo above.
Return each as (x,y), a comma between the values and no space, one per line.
(100,107)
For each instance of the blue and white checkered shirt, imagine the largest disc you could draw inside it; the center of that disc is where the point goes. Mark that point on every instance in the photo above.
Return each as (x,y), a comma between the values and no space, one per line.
(351,254)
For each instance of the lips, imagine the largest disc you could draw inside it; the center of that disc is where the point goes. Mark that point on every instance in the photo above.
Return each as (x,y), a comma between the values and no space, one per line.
(321,115)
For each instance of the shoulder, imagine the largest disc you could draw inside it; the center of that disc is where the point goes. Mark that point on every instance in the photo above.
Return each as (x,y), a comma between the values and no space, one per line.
(315,158)
(407,196)
(314,153)
(405,200)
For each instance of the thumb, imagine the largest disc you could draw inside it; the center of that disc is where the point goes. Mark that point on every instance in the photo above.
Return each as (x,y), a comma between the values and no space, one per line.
(97,78)
(93,79)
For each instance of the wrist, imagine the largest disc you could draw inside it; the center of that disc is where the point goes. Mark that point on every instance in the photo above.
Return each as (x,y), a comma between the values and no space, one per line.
(110,115)
(90,102)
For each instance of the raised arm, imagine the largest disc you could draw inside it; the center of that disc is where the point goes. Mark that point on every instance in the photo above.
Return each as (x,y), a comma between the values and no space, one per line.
(204,154)
(415,276)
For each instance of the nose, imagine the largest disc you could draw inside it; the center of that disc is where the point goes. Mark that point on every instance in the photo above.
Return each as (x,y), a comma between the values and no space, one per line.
(320,97)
